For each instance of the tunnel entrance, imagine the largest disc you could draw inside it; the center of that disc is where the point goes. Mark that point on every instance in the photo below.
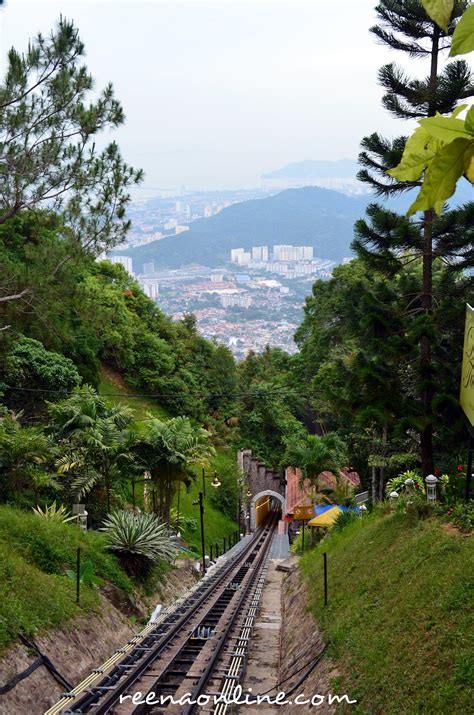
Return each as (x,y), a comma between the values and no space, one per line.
(262,504)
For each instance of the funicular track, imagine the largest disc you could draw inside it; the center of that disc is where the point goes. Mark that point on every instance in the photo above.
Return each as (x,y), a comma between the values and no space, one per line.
(198,648)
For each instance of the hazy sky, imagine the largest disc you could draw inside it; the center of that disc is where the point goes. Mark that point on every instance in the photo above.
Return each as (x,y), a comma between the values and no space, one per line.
(218,92)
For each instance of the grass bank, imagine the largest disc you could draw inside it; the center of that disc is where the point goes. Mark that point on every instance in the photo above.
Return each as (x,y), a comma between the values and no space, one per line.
(400,617)
(35,554)
(216,523)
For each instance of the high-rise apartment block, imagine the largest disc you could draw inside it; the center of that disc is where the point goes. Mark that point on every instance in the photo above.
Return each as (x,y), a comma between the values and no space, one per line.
(124,261)
(259,253)
(236,300)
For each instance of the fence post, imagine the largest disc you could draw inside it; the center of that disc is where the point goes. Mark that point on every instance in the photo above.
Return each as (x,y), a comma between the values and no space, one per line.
(78,574)
(325,557)
(210,553)
(217,550)
(224,547)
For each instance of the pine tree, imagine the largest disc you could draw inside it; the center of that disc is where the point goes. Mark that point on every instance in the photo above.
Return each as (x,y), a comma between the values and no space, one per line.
(48,154)
(388,241)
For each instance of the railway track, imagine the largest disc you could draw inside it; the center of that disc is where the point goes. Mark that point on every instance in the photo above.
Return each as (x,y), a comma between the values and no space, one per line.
(196,653)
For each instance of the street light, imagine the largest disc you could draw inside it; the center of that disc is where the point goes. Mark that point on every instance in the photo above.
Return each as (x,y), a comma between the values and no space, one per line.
(215,481)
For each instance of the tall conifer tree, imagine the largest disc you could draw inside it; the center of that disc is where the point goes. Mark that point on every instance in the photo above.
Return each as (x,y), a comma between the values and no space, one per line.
(386,240)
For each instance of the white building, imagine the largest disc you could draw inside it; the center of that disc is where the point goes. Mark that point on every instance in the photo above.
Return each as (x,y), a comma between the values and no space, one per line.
(244,258)
(148,268)
(234,253)
(236,300)
(151,289)
(124,261)
(181,229)
(172,223)
(217,277)
(259,253)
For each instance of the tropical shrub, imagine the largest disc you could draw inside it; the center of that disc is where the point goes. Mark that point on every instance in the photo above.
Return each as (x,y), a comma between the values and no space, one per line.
(344,519)
(462,516)
(138,539)
(397,484)
(179,522)
(54,513)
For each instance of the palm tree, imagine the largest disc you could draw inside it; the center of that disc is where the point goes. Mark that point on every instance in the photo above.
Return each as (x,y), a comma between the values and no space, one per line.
(26,454)
(93,440)
(168,450)
(316,454)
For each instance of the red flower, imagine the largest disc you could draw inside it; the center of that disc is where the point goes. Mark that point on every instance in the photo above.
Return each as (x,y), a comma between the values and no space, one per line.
(460,468)
(437,472)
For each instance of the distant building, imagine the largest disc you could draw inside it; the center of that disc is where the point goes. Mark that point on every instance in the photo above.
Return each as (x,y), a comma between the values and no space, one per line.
(259,253)
(236,300)
(181,229)
(169,225)
(244,259)
(217,277)
(292,253)
(235,252)
(151,289)
(148,268)
(124,261)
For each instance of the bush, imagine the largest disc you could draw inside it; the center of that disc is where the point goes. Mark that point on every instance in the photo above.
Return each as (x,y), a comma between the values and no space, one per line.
(140,540)
(397,484)
(344,519)
(462,516)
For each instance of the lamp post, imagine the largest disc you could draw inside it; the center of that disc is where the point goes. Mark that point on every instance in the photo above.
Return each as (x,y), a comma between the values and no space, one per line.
(215,481)
(431,482)
(393,496)
(409,484)
(201,514)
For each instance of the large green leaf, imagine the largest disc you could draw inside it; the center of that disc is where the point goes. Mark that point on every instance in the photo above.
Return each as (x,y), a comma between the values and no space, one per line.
(446,129)
(463,38)
(440,11)
(442,176)
(416,156)
(469,122)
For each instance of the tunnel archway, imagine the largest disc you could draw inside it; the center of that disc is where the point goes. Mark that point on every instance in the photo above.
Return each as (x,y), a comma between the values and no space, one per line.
(256,499)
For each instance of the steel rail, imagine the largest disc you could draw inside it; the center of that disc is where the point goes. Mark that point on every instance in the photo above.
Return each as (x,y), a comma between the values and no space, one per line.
(257,578)
(187,651)
(103,684)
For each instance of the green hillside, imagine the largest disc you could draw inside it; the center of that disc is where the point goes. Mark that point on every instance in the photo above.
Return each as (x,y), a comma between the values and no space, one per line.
(310,216)
(400,618)
(35,592)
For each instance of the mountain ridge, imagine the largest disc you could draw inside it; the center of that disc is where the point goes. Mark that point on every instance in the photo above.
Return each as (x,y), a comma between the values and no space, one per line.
(312,216)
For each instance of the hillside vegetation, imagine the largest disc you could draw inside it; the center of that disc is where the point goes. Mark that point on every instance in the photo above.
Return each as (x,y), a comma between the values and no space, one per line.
(35,592)
(400,620)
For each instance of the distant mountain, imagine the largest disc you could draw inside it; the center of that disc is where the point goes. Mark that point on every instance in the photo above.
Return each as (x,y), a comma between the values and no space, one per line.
(309,216)
(315,170)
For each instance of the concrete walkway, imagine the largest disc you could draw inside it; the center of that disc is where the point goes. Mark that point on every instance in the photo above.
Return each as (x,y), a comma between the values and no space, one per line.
(263,662)
(280,548)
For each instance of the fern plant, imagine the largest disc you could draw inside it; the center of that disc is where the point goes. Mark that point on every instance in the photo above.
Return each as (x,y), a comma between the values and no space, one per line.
(140,540)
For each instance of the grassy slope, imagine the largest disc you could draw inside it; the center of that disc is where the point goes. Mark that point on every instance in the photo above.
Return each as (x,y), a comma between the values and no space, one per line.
(112,384)
(217,525)
(35,554)
(400,615)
